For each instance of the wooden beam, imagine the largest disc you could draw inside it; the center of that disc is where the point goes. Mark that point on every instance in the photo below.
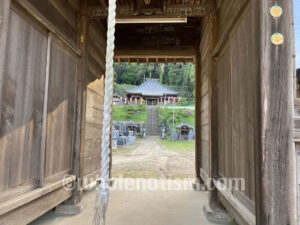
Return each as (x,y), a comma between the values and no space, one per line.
(241,213)
(103,3)
(27,213)
(170,11)
(28,197)
(81,105)
(198,101)
(45,112)
(223,38)
(4,16)
(214,112)
(40,18)
(187,52)
(275,158)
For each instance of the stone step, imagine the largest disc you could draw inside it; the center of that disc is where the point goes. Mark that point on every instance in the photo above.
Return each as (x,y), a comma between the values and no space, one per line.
(152,118)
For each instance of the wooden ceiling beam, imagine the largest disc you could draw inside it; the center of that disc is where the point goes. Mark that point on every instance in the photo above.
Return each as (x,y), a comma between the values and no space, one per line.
(155,60)
(103,3)
(171,52)
(170,11)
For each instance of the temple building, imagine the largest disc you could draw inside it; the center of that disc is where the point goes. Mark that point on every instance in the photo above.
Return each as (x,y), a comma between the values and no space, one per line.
(153,92)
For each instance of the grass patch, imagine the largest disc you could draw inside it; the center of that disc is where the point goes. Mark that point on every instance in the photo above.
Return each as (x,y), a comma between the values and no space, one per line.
(179,145)
(130,113)
(180,116)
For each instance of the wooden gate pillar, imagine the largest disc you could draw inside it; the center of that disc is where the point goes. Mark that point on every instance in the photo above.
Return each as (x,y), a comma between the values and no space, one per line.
(198,114)
(4,16)
(81,105)
(275,153)
(213,94)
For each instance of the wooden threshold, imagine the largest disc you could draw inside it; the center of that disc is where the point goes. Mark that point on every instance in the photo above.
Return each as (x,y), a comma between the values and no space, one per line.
(57,177)
(10,193)
(23,199)
(36,208)
(239,211)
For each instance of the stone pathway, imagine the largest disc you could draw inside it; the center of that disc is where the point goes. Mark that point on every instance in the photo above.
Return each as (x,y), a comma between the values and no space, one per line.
(158,207)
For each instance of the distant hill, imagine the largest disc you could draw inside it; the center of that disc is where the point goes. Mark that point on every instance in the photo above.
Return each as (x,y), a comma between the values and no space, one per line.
(121,88)
(178,77)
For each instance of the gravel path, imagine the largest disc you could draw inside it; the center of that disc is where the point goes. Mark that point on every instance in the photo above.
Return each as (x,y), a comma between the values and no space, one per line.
(150,159)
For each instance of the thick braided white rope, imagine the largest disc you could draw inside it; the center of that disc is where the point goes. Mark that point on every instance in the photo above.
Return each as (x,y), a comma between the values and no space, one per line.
(103,189)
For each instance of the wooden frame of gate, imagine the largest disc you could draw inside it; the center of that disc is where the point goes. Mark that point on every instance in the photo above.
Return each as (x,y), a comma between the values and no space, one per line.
(273,160)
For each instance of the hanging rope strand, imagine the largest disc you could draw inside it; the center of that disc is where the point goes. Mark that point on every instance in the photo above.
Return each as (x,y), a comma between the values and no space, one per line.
(103,189)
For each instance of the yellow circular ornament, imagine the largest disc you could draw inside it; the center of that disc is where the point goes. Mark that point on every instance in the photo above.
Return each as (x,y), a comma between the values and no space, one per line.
(276,11)
(277,39)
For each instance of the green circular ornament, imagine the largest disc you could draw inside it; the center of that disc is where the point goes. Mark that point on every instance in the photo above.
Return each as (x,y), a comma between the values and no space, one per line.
(276,11)
(277,39)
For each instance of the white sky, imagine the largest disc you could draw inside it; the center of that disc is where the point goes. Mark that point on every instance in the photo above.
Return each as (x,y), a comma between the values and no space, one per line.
(297,31)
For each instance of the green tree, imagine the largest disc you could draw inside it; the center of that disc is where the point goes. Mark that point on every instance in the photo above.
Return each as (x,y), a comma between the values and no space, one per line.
(179,77)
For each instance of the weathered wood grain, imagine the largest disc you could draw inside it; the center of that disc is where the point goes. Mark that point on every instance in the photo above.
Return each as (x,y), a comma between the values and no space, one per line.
(61,109)
(198,114)
(275,156)
(224,116)
(4,17)
(96,47)
(27,213)
(4,154)
(64,9)
(205,99)
(93,131)
(22,105)
(44,125)
(79,146)
(237,107)
(18,190)
(14,203)
(50,13)
(47,15)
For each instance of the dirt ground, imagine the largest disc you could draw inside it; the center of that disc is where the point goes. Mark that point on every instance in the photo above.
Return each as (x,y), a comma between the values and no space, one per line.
(149,158)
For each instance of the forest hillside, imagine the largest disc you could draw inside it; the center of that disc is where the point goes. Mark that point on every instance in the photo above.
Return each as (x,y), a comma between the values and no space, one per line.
(178,77)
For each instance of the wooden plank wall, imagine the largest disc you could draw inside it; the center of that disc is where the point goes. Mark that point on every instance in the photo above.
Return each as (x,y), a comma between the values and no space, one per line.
(60,111)
(95,99)
(22,99)
(205,56)
(61,15)
(237,116)
(237,111)
(22,105)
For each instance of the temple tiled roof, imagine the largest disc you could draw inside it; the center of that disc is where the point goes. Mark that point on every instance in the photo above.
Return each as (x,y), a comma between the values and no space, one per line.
(152,88)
